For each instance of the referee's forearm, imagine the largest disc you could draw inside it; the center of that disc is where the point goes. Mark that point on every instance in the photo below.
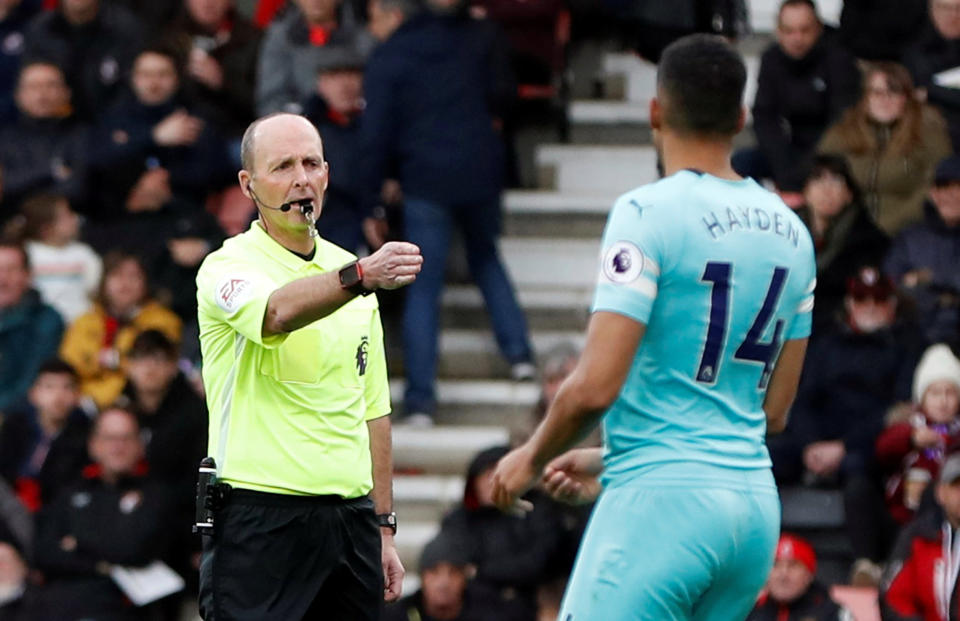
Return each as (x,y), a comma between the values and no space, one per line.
(303,301)
(381,453)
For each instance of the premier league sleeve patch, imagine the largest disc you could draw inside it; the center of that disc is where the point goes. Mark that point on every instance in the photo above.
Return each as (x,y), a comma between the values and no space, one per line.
(232,292)
(623,262)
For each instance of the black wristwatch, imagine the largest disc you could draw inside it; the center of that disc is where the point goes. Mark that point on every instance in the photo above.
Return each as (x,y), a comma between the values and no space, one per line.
(388,520)
(351,279)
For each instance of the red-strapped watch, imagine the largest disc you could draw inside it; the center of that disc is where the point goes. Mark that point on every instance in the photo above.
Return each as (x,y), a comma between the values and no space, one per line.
(351,279)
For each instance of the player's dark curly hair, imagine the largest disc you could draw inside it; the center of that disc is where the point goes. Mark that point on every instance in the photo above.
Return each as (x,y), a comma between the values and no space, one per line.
(702,78)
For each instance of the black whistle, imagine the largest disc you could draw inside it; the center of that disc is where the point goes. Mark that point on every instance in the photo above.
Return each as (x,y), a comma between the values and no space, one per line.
(206,486)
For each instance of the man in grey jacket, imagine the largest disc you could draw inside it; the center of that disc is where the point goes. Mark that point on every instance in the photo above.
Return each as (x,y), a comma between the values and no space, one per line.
(297,44)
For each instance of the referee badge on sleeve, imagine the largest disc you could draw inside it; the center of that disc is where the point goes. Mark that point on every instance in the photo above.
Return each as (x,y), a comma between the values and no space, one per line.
(232,293)
(622,262)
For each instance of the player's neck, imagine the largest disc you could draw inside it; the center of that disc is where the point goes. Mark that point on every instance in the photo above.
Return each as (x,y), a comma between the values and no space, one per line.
(705,155)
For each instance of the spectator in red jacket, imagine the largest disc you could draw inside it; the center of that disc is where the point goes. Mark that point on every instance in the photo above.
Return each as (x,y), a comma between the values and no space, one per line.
(922,572)
(792,590)
(912,451)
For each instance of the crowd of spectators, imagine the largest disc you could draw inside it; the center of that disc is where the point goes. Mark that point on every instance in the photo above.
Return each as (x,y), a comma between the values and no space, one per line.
(120,126)
(856,128)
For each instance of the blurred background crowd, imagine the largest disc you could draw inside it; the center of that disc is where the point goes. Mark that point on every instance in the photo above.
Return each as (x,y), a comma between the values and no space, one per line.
(120,127)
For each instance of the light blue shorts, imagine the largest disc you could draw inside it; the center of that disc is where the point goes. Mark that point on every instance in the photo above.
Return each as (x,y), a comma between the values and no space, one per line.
(659,551)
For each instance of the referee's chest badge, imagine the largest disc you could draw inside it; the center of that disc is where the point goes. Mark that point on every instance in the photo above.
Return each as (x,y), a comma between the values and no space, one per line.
(362,355)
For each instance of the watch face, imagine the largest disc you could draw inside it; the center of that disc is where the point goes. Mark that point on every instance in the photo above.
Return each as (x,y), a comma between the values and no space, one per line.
(349,275)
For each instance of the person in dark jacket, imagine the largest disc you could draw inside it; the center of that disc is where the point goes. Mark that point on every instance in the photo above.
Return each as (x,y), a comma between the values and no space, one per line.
(194,235)
(43,442)
(15,16)
(874,31)
(793,592)
(916,586)
(805,82)
(30,331)
(172,416)
(161,157)
(924,257)
(219,47)
(512,555)
(444,574)
(843,233)
(852,375)
(335,108)
(932,57)
(114,517)
(94,41)
(432,92)
(47,148)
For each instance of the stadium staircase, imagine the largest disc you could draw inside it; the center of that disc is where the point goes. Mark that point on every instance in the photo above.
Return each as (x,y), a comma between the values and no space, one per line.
(550,245)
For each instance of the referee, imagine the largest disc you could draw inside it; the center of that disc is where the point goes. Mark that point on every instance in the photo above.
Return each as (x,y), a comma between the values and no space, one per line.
(296,383)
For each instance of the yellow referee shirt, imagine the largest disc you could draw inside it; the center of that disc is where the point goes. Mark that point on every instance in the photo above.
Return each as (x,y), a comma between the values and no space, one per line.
(288,413)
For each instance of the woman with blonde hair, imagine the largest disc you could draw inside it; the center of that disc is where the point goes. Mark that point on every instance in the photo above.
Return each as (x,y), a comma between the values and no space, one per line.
(893,143)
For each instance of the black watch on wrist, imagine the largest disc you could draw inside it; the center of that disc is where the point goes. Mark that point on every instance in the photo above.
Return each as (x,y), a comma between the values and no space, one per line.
(388,520)
(351,279)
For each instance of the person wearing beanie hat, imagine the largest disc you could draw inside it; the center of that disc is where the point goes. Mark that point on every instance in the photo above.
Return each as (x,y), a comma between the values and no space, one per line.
(920,581)
(937,365)
(444,573)
(911,451)
(792,590)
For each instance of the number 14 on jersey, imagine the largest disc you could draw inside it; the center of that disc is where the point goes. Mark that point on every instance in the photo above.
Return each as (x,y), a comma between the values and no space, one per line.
(752,350)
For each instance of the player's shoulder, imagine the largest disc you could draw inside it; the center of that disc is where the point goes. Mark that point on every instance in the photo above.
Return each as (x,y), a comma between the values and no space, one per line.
(652,200)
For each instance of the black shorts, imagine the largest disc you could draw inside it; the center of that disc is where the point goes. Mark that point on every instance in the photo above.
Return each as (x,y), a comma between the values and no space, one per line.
(280,557)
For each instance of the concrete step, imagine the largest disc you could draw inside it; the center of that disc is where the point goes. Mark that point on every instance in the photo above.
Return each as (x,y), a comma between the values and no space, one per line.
(473,354)
(410,539)
(426,497)
(545,309)
(551,263)
(502,404)
(631,79)
(536,213)
(442,449)
(608,169)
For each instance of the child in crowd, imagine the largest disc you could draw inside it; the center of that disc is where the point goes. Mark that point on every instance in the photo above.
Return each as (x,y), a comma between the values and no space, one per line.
(43,442)
(66,272)
(912,450)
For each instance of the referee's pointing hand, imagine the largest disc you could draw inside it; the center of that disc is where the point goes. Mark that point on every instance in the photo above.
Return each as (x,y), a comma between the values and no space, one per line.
(394,265)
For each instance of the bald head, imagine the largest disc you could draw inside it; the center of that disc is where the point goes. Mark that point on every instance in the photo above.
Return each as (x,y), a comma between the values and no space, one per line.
(275,124)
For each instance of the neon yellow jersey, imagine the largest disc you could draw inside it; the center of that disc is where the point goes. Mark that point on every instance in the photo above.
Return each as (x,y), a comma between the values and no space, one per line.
(288,413)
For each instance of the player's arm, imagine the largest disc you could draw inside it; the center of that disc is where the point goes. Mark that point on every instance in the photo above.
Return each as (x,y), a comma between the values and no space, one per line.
(783,384)
(594,384)
(305,300)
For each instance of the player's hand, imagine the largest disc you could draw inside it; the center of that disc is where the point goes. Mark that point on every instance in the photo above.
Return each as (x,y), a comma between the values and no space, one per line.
(392,570)
(572,477)
(396,264)
(514,475)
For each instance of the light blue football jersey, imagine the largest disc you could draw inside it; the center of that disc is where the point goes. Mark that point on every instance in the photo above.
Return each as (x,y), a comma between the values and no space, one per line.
(722,273)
